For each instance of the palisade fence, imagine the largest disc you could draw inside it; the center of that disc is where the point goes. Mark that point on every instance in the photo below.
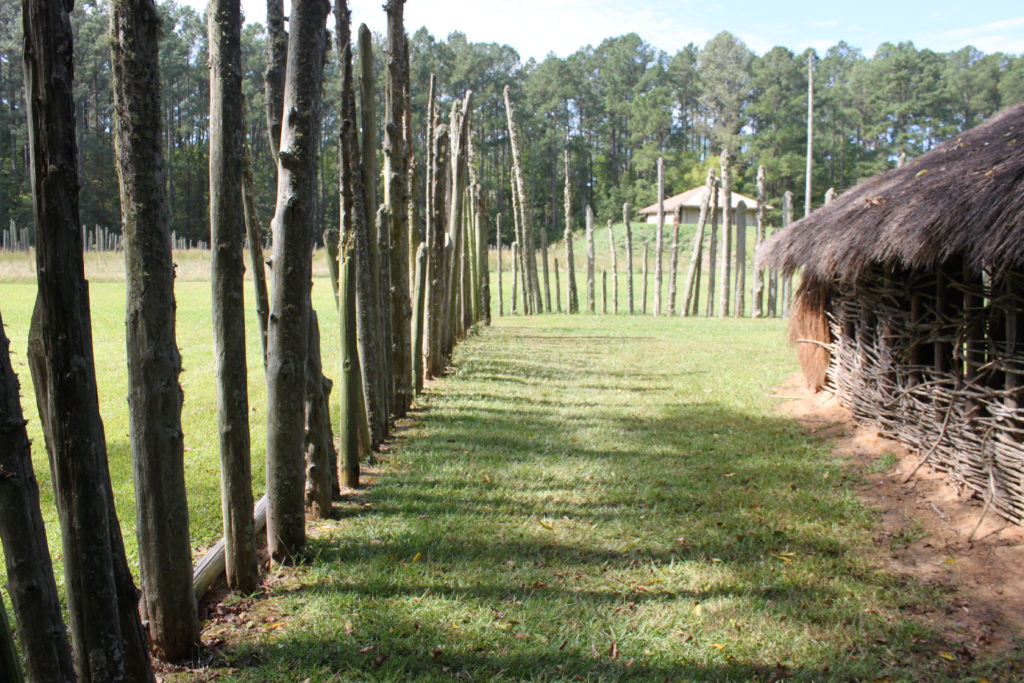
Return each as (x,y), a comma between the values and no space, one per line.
(96,238)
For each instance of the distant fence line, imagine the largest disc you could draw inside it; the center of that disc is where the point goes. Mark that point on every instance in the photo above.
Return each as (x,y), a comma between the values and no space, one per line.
(97,238)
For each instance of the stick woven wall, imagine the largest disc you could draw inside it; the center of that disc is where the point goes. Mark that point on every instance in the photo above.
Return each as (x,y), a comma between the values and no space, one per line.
(934,359)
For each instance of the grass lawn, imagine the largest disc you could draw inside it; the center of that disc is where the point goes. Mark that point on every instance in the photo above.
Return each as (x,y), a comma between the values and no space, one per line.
(584,498)
(591,498)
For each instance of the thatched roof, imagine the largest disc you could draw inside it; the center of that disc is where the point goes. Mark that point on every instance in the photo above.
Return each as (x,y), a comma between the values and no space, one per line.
(966,196)
(693,198)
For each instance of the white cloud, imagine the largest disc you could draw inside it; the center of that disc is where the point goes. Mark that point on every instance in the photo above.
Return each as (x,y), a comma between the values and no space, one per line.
(1006,35)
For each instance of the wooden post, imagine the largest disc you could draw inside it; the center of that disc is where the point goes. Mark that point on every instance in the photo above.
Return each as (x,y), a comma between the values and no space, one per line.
(725,263)
(713,251)
(787,280)
(741,260)
(528,247)
(629,256)
(230,182)
(643,304)
(659,238)
(758,293)
(571,298)
(677,217)
(497,239)
(615,268)
(810,132)
(604,292)
(558,288)
(544,261)
(590,258)
(420,283)
(690,297)
(515,275)
(435,256)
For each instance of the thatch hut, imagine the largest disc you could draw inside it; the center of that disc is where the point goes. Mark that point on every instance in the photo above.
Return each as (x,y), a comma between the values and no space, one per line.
(910,304)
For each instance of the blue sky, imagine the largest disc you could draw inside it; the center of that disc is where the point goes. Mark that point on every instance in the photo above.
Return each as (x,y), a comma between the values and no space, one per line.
(537,27)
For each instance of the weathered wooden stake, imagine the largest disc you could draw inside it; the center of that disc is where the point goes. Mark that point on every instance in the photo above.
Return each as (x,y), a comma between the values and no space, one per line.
(741,260)
(629,257)
(787,280)
(515,276)
(677,217)
(572,299)
(604,292)
(727,214)
(558,288)
(497,238)
(659,238)
(590,258)
(690,295)
(758,293)
(615,268)
(643,306)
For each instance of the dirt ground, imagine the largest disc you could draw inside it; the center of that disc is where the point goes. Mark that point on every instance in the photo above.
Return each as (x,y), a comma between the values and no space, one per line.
(927,525)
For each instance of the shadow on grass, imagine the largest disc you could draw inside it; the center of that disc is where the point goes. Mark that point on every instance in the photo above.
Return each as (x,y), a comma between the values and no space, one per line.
(633,540)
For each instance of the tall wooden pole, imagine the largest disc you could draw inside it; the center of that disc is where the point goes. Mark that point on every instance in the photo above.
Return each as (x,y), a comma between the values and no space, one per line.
(590,258)
(558,289)
(292,253)
(572,298)
(227,231)
(659,238)
(741,260)
(154,364)
(713,251)
(629,257)
(497,239)
(727,213)
(810,132)
(759,272)
(615,268)
(677,217)
(787,280)
(692,273)
(529,246)
(643,303)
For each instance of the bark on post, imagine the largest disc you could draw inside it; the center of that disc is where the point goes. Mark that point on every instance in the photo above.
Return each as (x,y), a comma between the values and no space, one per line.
(590,258)
(352,405)
(693,272)
(571,297)
(741,260)
(228,209)
(677,217)
(517,232)
(255,241)
(615,268)
(604,292)
(544,261)
(277,58)
(10,663)
(787,280)
(529,246)
(318,440)
(643,303)
(30,580)
(659,238)
(293,226)
(483,265)
(107,637)
(558,289)
(432,325)
(515,276)
(713,250)
(456,229)
(497,239)
(629,256)
(725,263)
(154,394)
(354,221)
(759,272)
(373,298)
(395,181)
(419,299)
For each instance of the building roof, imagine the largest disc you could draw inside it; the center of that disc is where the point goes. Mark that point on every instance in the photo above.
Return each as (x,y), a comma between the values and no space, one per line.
(966,197)
(692,198)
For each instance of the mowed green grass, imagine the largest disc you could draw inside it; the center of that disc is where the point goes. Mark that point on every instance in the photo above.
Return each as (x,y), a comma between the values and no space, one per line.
(199,413)
(589,498)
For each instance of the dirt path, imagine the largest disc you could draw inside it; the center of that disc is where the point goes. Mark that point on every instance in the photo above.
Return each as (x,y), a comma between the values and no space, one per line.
(926,528)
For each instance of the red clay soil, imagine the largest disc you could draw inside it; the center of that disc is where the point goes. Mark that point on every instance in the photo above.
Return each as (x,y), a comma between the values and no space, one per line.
(926,527)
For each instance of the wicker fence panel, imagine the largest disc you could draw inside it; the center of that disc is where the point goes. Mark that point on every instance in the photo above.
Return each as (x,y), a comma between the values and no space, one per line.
(933,359)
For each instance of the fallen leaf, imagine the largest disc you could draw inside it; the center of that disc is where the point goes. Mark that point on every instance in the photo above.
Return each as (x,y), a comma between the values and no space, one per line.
(948,655)
(368,648)
(437,652)
(717,646)
(613,651)
(545,524)
(416,557)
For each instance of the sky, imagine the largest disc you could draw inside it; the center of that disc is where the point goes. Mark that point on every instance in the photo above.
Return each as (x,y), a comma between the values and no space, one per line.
(539,27)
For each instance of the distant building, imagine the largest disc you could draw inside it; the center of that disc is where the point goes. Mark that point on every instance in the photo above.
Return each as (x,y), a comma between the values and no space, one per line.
(690,201)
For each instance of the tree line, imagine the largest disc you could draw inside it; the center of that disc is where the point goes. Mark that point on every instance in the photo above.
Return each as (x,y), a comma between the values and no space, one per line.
(618,106)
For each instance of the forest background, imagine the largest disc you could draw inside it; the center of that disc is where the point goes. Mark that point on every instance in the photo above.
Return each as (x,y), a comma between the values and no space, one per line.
(618,106)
